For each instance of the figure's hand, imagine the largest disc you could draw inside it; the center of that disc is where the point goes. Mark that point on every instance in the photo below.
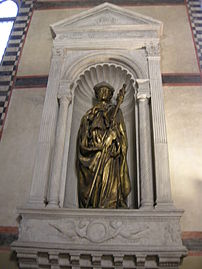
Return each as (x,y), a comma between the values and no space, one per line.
(111,136)
(98,141)
(115,150)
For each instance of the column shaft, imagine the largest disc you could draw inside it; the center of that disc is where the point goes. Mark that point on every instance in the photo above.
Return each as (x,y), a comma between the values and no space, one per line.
(64,102)
(146,178)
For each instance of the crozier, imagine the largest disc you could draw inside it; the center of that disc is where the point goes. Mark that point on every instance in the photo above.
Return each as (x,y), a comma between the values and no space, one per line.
(111,44)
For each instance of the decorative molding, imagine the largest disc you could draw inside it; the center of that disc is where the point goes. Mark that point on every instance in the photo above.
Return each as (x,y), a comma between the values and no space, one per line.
(88,35)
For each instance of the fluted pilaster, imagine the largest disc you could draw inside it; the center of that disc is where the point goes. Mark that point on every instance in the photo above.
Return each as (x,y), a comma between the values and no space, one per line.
(38,194)
(163,189)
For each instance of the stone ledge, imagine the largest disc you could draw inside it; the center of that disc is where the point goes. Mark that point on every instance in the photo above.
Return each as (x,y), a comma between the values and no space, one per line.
(167,212)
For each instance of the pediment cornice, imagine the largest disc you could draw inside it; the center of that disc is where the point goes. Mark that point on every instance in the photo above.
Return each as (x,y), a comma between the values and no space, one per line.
(106,18)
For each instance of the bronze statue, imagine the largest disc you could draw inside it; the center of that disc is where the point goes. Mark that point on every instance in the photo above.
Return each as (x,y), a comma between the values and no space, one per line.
(103,179)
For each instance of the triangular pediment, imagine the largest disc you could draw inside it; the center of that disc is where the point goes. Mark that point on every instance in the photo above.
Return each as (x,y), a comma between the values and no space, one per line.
(105,16)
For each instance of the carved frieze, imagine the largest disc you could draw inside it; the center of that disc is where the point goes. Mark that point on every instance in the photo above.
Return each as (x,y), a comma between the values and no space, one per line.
(111,231)
(83,35)
(100,231)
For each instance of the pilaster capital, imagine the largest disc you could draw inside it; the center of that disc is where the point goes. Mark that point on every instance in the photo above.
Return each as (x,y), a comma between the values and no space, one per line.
(143,89)
(57,52)
(153,49)
(65,91)
(141,97)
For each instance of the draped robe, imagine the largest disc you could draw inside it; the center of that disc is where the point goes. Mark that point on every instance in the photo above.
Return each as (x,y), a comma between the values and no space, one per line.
(102,172)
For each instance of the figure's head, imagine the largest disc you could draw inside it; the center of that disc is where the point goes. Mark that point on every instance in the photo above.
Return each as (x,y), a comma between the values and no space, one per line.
(103,91)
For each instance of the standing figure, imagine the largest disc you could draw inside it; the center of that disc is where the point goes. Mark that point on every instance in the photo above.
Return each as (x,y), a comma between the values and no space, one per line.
(103,178)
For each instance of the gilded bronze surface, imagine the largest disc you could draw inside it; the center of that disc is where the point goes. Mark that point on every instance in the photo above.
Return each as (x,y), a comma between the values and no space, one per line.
(103,179)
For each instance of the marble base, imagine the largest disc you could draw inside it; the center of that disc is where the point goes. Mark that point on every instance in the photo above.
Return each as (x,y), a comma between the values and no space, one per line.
(88,238)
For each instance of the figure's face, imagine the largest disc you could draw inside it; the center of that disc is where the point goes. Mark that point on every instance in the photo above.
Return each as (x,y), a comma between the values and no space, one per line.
(104,94)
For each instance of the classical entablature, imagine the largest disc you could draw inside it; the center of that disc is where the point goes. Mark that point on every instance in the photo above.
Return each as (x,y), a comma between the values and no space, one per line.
(111,44)
(109,26)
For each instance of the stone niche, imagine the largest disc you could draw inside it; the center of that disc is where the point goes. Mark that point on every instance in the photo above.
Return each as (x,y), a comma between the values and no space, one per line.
(105,43)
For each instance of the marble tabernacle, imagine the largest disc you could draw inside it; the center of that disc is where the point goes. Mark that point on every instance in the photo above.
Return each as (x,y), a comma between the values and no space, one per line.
(111,44)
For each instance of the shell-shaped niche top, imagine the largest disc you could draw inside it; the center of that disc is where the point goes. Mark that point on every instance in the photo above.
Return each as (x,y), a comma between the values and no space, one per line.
(113,74)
